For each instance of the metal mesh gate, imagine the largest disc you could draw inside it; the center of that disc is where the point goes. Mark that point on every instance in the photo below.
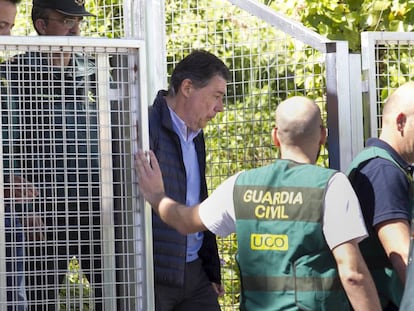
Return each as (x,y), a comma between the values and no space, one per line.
(271,58)
(70,131)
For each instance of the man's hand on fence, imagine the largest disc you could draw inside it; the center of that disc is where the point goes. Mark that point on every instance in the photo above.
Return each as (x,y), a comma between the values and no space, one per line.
(149,178)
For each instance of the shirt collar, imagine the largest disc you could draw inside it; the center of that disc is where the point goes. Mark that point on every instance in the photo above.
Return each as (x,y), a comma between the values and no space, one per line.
(376,142)
(184,131)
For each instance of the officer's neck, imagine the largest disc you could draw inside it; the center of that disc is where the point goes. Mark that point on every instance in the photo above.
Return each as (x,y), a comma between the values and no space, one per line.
(297,155)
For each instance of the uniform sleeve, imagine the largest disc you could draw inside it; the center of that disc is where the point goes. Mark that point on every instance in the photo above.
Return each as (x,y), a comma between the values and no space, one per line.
(217,211)
(342,219)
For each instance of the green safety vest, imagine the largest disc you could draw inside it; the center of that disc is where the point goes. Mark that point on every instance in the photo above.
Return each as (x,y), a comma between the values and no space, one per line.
(284,261)
(387,281)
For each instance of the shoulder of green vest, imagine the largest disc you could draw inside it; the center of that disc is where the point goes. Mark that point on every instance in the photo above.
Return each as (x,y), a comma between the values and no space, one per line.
(370,153)
(268,172)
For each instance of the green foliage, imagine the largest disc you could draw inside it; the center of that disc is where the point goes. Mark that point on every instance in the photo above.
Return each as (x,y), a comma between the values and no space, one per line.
(345,20)
(75,291)
(229,273)
(108,21)
(23,23)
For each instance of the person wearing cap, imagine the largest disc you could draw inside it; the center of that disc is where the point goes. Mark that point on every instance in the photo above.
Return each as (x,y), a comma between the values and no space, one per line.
(54,95)
(186,267)
(59,18)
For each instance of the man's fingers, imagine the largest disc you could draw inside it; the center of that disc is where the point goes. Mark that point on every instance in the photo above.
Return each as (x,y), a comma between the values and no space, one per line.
(139,163)
(142,164)
(154,161)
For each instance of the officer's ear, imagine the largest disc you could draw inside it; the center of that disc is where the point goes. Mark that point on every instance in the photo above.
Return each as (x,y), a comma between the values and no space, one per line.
(40,26)
(401,120)
(274,137)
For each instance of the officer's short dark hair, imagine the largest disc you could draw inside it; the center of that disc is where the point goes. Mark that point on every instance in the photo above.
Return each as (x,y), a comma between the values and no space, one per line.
(199,66)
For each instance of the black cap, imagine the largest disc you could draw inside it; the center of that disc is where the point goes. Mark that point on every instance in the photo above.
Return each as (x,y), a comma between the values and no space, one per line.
(68,7)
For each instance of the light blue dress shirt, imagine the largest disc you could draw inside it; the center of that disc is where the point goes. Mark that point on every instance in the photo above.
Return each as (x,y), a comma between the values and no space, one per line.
(194,240)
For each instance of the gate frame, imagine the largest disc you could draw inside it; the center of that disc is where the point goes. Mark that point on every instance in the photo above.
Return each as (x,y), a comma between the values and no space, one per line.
(138,86)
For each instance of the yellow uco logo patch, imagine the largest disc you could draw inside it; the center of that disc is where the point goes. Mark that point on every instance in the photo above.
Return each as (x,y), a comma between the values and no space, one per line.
(271,242)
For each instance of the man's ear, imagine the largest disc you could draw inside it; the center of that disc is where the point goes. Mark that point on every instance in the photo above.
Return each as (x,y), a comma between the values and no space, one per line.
(186,87)
(40,25)
(275,139)
(401,120)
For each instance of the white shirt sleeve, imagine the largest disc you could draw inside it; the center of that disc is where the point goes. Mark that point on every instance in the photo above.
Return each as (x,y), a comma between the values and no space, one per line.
(342,219)
(217,211)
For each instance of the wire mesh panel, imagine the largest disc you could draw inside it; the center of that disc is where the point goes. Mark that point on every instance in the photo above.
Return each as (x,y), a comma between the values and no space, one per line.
(387,60)
(74,233)
(268,65)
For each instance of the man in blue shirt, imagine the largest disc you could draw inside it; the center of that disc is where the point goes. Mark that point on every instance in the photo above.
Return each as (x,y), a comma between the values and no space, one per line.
(382,176)
(187,267)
